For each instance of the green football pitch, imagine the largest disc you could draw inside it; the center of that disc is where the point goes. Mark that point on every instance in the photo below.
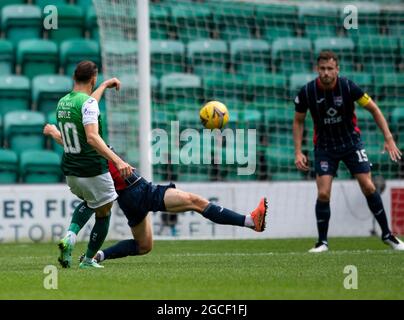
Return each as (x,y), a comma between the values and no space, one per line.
(231,269)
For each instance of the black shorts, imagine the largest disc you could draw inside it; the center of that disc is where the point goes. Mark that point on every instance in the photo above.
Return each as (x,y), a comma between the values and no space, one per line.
(355,158)
(137,200)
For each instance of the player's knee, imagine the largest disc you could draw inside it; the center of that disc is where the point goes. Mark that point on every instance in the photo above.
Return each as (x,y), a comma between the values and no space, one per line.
(324,196)
(145,247)
(368,189)
(197,202)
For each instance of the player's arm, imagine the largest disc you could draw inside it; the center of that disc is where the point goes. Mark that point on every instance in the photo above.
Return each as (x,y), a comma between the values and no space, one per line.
(389,143)
(301,108)
(298,126)
(53,132)
(95,140)
(108,84)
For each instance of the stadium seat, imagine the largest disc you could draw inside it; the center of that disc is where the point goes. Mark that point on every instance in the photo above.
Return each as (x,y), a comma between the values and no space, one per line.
(281,164)
(130,89)
(298,80)
(292,55)
(37,57)
(6,57)
(397,123)
(44,3)
(208,56)
(192,21)
(160,22)
(167,56)
(15,93)
(250,56)
(226,87)
(369,20)
(23,130)
(20,22)
(4,3)
(269,87)
(276,20)
(378,54)
(8,166)
(123,51)
(342,47)
(47,90)
(70,24)
(233,21)
(40,167)
(181,87)
(390,87)
(362,79)
(74,51)
(318,20)
(85,4)
(91,24)
(393,19)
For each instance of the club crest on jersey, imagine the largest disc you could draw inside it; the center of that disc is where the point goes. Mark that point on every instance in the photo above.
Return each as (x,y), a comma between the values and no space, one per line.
(324,165)
(338,101)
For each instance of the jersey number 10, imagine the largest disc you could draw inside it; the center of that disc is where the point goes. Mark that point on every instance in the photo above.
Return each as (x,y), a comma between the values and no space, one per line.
(69,130)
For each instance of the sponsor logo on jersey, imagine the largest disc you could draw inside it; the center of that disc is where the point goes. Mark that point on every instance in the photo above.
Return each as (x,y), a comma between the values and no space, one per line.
(338,101)
(89,112)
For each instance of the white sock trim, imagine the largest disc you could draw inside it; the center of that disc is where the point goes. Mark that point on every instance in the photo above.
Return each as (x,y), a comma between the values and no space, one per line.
(249,222)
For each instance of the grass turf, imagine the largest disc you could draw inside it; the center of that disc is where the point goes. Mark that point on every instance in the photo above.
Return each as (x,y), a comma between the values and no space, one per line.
(231,269)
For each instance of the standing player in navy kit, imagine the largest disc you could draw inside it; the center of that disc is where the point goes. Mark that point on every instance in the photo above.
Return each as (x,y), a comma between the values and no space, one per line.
(331,99)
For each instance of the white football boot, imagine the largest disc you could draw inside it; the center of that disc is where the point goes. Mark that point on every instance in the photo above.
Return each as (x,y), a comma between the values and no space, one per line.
(394,242)
(319,247)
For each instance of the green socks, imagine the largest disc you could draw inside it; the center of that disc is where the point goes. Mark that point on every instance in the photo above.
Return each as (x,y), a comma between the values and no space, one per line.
(98,235)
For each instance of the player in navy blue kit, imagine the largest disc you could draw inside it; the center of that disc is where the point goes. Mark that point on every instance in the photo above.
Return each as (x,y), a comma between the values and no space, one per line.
(331,102)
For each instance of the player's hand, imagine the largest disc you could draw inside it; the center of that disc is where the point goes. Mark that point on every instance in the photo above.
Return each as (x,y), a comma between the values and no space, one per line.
(391,148)
(301,162)
(113,83)
(125,169)
(49,129)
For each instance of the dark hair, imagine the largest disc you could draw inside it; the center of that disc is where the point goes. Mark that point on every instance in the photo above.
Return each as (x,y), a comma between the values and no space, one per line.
(327,55)
(85,71)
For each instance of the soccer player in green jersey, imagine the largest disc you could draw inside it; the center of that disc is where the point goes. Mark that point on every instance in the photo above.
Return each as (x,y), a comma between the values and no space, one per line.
(86,155)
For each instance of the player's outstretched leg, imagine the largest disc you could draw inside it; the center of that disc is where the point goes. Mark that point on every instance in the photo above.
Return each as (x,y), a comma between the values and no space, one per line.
(176,200)
(81,215)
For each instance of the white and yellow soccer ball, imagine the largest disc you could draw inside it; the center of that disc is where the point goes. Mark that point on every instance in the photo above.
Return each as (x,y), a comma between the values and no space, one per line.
(214,115)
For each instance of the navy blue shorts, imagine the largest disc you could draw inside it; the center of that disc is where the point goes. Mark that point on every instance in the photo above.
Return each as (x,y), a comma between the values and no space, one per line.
(355,158)
(137,200)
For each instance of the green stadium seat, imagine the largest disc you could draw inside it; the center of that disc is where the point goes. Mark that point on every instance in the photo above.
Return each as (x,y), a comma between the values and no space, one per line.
(15,93)
(233,20)
(342,47)
(23,130)
(123,51)
(192,21)
(181,87)
(208,56)
(228,88)
(363,79)
(281,164)
(397,123)
(269,87)
(130,88)
(37,57)
(74,51)
(20,22)
(167,56)
(318,20)
(40,167)
(292,55)
(4,3)
(378,54)
(44,3)
(250,56)
(8,166)
(70,24)
(276,20)
(369,21)
(92,24)
(85,4)
(160,22)
(298,80)
(6,57)
(390,87)
(393,19)
(47,90)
